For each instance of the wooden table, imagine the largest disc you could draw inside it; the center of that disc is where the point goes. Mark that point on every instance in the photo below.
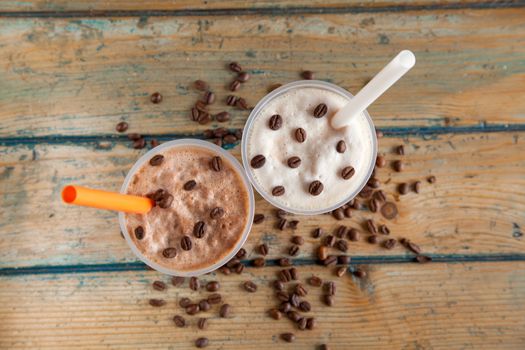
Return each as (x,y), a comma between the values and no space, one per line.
(71,70)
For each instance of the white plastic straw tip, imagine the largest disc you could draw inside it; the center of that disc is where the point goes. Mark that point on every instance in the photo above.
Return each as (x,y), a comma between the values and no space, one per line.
(407,59)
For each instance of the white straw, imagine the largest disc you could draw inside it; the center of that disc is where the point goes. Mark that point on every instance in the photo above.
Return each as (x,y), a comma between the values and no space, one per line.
(391,73)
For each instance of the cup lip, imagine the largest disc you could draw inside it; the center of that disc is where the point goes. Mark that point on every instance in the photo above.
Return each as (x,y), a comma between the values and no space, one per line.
(256,111)
(245,181)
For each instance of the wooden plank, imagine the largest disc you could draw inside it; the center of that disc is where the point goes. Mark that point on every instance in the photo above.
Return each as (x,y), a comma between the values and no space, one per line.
(434,306)
(82,76)
(476,206)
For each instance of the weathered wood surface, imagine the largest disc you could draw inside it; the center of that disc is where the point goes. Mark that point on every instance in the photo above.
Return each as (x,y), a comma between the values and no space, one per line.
(480,192)
(434,306)
(81,76)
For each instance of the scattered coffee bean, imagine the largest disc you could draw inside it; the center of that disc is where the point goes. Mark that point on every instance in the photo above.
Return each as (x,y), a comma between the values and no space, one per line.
(284,276)
(329,241)
(330,261)
(241,253)
(416,186)
(215,213)
(225,270)
(281,214)
(186,243)
(373,239)
(177,281)
(403,188)
(353,235)
(204,305)
(239,268)
(322,253)
(383,229)
(293,224)
(315,281)
(374,183)
(307,75)
(348,212)
(122,127)
(356,205)
(347,172)
(258,262)
(225,311)
(281,224)
(199,230)
(275,122)
(209,97)
(423,259)
(250,287)
(318,232)
(341,146)
(310,323)
(204,118)
(190,185)
(202,323)
(300,290)
(301,324)
(185,302)
(235,67)
(159,285)
(305,306)
(134,136)
(320,110)
(294,250)
(156,97)
(359,273)
(179,321)
(200,85)
(338,214)
(222,117)
(282,296)
(340,232)
(366,192)
(389,210)
(243,77)
(284,262)
(373,205)
(216,163)
(194,283)
(431,179)
(139,232)
(241,103)
(231,100)
(324,347)
(294,316)
(169,253)
(315,188)
(233,262)
(380,196)
(258,218)
(294,274)
(229,139)
(298,240)
(214,298)
(371,226)
(275,314)
(398,165)
(157,302)
(258,161)
(154,143)
(330,288)
(343,259)
(235,85)
(389,243)
(328,300)
(400,150)
(300,135)
(341,245)
(212,286)
(380,161)
(217,142)
(139,144)
(263,249)
(201,342)
(294,162)
(288,337)
(278,191)
(201,107)
(341,271)
(413,247)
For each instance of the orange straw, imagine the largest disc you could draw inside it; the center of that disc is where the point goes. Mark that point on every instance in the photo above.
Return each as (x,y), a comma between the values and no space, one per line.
(106,200)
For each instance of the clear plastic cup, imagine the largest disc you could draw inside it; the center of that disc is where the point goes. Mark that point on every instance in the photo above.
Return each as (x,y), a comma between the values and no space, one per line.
(245,182)
(256,113)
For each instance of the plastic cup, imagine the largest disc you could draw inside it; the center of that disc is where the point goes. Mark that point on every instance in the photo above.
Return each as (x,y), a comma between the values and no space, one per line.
(256,114)
(183,143)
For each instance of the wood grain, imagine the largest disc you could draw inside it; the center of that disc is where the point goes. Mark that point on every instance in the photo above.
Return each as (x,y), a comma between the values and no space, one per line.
(82,76)
(434,306)
(476,206)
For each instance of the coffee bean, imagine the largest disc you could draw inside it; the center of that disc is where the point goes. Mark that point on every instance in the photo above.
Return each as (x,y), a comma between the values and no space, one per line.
(139,144)
(159,285)
(169,253)
(288,337)
(200,85)
(294,300)
(300,135)
(202,323)
(229,139)
(235,85)
(293,224)
(278,191)
(199,230)
(353,235)
(241,103)
(231,100)
(413,247)
(225,270)
(263,249)
(186,243)
(158,195)
(156,97)
(156,160)
(340,232)
(380,161)
(225,311)
(305,306)
(201,107)
(284,262)
(222,117)
(328,300)
(204,305)
(343,259)
(233,262)
(179,321)
(281,224)
(139,232)
(373,239)
(165,201)
(235,67)
(374,183)
(318,232)
(322,253)
(201,342)
(298,240)
(216,213)
(324,347)
(380,196)
(134,136)
(403,188)
(258,161)
(195,284)
(282,296)
(400,150)
(185,302)
(371,225)
(320,110)
(338,214)
(281,214)
(300,290)
(243,77)
(398,165)
(154,143)
(341,245)
(212,286)
(366,192)
(258,218)
(177,281)
(204,118)
(294,250)
(389,210)
(275,314)
(217,142)
(209,97)
(431,179)
(347,172)
(423,259)
(330,260)
(383,229)
(329,241)
(241,253)
(122,127)
(341,146)
(357,205)
(315,188)
(294,162)
(359,273)
(216,163)
(389,243)
(239,269)
(190,185)
(258,262)
(294,274)
(250,287)
(157,302)
(276,121)
(416,186)
(341,271)
(214,298)
(307,75)
(373,205)
(330,288)
(315,281)
(294,316)
(310,323)
(301,324)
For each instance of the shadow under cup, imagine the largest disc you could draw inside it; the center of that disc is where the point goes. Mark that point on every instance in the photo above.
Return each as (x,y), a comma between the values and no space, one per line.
(209,147)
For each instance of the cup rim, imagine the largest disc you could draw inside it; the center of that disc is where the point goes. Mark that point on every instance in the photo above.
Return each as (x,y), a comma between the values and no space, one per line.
(256,112)
(245,181)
